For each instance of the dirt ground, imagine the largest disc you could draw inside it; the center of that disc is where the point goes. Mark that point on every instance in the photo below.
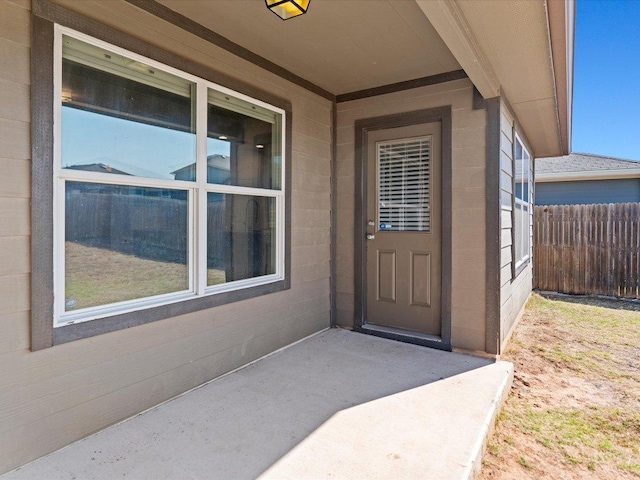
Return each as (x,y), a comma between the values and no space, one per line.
(574,409)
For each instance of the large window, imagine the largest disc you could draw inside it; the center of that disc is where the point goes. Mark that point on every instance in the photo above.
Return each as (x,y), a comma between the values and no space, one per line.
(521,204)
(167,187)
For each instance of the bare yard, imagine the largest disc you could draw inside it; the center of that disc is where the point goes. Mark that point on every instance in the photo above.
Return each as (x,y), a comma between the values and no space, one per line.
(574,410)
(98,276)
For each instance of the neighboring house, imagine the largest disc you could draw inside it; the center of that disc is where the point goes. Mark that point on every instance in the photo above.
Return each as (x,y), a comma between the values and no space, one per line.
(372,148)
(218,170)
(582,178)
(98,167)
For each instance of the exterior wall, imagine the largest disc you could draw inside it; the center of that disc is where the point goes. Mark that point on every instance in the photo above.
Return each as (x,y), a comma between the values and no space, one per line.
(468,203)
(58,395)
(624,190)
(514,292)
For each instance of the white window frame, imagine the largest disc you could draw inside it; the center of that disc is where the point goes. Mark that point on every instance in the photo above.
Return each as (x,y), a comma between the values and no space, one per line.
(525,240)
(197,195)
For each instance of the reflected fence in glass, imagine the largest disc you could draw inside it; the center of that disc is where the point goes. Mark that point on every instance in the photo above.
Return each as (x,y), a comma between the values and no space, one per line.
(241,237)
(123,243)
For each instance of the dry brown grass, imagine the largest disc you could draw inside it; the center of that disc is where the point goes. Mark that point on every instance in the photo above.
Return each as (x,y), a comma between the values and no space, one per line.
(98,276)
(574,411)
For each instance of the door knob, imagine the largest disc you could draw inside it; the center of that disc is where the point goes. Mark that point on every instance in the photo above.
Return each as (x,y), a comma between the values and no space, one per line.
(370,236)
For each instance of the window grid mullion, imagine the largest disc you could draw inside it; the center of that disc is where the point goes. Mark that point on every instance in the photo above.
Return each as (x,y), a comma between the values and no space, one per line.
(238,190)
(128,180)
(201,180)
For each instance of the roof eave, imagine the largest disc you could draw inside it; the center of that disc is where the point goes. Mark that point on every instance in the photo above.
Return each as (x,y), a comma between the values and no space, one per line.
(561,17)
(479,33)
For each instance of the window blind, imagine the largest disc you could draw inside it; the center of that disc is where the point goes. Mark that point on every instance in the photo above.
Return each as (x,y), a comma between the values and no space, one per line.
(404,169)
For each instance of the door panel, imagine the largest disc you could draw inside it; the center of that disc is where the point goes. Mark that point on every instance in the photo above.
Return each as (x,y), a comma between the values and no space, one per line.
(387,275)
(404,228)
(421,279)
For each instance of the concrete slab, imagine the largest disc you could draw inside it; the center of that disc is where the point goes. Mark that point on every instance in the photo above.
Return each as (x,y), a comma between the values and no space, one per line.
(337,405)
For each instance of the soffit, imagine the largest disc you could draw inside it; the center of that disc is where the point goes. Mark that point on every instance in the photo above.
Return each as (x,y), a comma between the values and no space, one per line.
(341,46)
(506,49)
(514,36)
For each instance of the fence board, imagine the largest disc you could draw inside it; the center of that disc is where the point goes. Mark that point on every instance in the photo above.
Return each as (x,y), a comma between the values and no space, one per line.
(588,249)
(148,227)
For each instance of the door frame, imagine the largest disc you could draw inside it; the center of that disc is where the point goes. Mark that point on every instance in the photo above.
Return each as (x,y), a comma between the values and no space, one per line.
(362,129)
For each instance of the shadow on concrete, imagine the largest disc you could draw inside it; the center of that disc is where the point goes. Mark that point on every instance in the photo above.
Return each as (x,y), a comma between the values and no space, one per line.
(327,406)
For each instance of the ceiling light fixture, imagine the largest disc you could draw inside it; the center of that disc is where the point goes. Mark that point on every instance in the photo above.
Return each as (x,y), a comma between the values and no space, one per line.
(287,9)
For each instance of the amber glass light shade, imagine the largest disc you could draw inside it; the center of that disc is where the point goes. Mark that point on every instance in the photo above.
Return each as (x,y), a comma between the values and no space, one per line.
(287,9)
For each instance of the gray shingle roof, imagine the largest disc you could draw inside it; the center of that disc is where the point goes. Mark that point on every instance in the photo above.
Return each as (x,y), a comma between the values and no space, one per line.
(583,162)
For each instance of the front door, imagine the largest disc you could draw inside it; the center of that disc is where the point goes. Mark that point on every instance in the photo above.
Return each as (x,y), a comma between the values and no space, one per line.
(404,228)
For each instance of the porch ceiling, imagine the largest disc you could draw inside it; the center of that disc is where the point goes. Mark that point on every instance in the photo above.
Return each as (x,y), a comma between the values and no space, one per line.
(341,46)
(521,50)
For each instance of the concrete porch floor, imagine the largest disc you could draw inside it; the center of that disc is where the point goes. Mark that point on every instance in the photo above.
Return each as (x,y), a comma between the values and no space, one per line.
(336,405)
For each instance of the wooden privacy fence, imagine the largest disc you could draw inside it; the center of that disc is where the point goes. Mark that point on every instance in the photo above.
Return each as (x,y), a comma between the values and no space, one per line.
(147,227)
(588,249)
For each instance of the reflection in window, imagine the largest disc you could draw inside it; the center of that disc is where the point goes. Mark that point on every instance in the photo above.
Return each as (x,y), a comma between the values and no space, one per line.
(241,233)
(521,203)
(243,144)
(123,243)
(128,189)
(122,116)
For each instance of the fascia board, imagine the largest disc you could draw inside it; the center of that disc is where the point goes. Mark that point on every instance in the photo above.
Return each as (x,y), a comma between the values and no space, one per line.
(561,25)
(570,20)
(450,23)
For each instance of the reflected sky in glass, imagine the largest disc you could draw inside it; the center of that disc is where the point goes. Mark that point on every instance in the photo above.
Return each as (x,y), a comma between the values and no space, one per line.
(131,147)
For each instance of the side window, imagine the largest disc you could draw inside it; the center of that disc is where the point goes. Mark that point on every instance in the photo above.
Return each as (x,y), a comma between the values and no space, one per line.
(167,187)
(521,203)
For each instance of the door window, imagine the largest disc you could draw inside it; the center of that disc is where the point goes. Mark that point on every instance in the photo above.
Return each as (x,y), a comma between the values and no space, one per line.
(404,169)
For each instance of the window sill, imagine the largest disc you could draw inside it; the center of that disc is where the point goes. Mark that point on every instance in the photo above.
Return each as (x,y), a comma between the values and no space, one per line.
(132,306)
(86,329)
(520,267)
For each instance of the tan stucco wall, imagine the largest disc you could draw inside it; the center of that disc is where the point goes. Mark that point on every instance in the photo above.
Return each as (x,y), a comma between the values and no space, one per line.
(52,397)
(469,199)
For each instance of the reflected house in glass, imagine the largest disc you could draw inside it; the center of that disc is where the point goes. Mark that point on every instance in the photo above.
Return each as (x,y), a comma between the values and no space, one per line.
(218,170)
(98,167)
